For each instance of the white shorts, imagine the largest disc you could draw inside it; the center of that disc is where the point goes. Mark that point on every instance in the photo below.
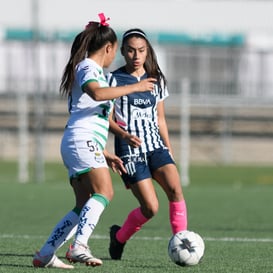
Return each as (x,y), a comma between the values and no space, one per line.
(80,155)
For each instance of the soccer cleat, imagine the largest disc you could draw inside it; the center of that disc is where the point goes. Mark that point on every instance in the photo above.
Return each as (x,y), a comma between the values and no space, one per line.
(81,254)
(115,248)
(49,261)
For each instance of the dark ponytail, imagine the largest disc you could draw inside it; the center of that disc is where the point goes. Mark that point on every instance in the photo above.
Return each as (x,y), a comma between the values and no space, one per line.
(87,42)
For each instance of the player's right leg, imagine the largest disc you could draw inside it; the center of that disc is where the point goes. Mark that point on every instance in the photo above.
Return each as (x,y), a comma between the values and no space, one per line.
(145,193)
(62,232)
(49,261)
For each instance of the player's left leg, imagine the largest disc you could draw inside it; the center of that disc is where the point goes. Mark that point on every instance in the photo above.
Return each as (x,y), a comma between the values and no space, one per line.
(98,183)
(168,178)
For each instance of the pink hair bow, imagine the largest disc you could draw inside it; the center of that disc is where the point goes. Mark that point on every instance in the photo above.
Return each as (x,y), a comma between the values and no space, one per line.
(103,21)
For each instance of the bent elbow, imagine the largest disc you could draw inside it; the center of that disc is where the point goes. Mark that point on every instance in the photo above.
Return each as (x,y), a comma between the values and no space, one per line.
(96,96)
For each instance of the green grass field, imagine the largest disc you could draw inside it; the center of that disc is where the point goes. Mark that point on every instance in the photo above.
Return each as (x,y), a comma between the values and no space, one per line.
(230,207)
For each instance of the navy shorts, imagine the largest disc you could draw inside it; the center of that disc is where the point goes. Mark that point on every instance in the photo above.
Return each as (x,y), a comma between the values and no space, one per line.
(142,166)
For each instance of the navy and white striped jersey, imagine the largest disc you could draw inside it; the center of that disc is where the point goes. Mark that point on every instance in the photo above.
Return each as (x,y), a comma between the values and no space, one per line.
(137,114)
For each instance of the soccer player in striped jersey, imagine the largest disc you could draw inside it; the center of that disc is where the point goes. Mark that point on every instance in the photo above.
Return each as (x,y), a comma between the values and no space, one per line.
(90,100)
(142,142)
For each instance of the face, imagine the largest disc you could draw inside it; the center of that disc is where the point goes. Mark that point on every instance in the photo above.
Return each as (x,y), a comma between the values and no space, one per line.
(135,52)
(111,50)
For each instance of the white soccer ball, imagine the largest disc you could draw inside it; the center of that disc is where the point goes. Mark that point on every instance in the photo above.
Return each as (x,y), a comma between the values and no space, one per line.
(186,248)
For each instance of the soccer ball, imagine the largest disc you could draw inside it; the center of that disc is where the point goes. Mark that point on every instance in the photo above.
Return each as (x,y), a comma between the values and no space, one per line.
(186,248)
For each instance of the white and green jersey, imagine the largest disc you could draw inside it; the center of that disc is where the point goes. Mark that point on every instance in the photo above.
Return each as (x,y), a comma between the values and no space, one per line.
(88,118)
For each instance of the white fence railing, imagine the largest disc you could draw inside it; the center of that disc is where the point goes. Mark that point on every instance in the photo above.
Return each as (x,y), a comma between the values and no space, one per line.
(226,79)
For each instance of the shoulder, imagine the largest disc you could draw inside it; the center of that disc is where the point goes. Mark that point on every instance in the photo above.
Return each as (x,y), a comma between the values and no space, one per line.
(88,70)
(84,63)
(122,77)
(88,64)
(120,71)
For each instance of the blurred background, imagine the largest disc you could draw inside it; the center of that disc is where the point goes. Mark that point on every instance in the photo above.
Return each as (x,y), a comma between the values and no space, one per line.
(217,56)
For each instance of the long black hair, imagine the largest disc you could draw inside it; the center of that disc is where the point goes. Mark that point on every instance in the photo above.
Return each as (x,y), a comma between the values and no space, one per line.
(93,38)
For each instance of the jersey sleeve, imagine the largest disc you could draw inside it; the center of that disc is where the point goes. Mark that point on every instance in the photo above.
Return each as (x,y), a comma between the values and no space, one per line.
(163,91)
(86,73)
(111,79)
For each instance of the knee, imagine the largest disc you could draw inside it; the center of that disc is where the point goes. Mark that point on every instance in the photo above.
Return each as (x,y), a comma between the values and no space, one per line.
(150,210)
(109,194)
(175,193)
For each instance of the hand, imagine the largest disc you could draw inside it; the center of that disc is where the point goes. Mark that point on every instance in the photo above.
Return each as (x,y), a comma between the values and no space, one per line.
(132,140)
(147,84)
(115,163)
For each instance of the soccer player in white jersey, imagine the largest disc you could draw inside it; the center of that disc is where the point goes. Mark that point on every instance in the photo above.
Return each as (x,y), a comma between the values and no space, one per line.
(90,100)
(142,142)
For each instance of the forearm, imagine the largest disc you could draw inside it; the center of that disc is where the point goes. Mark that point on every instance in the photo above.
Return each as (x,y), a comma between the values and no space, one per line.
(109,93)
(131,140)
(116,130)
(106,153)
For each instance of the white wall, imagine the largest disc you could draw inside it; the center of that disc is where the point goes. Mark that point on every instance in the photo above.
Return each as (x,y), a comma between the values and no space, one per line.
(194,16)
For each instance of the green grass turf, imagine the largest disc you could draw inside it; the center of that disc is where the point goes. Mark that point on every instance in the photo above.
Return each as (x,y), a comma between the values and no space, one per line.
(230,207)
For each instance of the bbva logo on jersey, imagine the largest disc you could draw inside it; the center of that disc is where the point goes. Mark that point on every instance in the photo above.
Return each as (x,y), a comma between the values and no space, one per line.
(142,101)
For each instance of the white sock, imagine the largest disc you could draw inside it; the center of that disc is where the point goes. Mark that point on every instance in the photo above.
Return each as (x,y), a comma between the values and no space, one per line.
(89,218)
(62,232)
